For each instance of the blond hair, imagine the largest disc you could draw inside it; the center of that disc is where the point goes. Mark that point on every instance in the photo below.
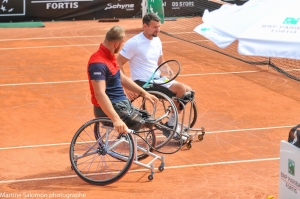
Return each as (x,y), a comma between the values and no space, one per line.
(116,33)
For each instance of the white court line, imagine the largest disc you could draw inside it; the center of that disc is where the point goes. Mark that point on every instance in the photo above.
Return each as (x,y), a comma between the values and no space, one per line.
(61,46)
(76,81)
(224,73)
(211,132)
(47,38)
(41,83)
(139,170)
(252,129)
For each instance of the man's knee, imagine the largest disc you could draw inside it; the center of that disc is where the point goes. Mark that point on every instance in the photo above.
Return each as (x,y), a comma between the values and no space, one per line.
(178,88)
(188,88)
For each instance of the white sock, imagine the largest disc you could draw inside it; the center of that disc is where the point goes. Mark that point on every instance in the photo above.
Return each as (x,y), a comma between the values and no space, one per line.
(171,121)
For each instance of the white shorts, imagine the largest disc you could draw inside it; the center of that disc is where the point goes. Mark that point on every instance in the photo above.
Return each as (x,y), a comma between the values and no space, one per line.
(162,79)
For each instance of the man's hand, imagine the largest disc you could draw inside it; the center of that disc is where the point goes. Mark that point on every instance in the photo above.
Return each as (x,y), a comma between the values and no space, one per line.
(120,126)
(166,71)
(170,72)
(150,97)
(131,95)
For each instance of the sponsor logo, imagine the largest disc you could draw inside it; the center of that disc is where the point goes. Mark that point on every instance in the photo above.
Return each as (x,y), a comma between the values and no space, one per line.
(97,73)
(290,20)
(12,7)
(119,6)
(181,4)
(63,5)
(54,5)
(291,167)
(205,29)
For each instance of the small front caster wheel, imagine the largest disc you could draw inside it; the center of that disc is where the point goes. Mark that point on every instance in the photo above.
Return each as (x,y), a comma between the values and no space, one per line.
(200,137)
(189,145)
(150,177)
(161,168)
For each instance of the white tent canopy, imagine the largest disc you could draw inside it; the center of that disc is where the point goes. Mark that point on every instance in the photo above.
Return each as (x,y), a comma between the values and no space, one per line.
(269,28)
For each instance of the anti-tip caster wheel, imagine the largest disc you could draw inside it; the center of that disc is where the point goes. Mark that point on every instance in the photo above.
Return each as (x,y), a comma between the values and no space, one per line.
(150,177)
(200,137)
(189,145)
(161,168)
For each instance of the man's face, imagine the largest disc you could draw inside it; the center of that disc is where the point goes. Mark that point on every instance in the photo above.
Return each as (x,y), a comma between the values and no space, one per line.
(153,28)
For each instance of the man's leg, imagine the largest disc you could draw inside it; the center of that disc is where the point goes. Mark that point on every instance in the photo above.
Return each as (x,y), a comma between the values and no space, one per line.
(120,107)
(179,89)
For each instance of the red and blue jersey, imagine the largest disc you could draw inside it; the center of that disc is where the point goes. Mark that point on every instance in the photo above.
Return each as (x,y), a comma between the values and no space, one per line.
(103,65)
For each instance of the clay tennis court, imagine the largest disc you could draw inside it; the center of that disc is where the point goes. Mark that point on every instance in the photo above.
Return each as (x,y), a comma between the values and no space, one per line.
(245,109)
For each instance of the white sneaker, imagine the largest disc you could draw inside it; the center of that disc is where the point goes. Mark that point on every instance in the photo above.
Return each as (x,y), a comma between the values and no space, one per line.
(184,135)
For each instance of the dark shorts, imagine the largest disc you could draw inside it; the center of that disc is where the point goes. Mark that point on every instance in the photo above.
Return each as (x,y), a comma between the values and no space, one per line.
(120,106)
(156,87)
(133,117)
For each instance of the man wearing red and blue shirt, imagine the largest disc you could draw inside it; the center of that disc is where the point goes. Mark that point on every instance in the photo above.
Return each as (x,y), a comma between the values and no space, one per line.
(107,81)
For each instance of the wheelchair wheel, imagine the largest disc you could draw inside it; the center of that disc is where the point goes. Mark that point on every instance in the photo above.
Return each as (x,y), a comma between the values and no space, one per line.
(99,154)
(194,114)
(161,112)
(148,142)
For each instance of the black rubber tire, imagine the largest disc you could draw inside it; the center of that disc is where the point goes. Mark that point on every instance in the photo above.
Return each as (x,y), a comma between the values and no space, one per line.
(103,158)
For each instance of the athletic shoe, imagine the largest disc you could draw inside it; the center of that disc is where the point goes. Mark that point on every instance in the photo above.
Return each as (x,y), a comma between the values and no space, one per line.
(177,133)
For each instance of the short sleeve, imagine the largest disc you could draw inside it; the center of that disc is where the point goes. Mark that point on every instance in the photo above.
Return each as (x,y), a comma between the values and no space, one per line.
(129,49)
(97,71)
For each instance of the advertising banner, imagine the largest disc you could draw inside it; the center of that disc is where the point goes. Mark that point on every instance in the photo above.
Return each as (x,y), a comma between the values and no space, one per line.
(48,10)
(289,174)
(177,8)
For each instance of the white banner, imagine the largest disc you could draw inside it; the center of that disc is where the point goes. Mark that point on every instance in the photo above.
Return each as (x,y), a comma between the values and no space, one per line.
(289,174)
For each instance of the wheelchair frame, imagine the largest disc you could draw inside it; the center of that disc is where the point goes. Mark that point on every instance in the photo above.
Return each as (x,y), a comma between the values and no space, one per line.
(188,128)
(185,130)
(92,154)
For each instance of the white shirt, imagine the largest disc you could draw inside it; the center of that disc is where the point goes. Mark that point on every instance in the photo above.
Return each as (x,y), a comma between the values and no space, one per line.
(143,55)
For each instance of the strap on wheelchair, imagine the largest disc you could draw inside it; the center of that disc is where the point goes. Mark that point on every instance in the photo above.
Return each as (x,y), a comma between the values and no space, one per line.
(187,97)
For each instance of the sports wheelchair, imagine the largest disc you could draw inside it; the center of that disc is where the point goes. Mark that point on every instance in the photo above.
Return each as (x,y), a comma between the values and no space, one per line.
(100,155)
(184,125)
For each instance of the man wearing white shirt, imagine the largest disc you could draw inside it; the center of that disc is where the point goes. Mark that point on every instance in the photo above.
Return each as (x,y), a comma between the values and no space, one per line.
(144,54)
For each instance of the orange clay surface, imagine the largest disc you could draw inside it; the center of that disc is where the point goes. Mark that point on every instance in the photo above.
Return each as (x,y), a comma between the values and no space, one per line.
(44,98)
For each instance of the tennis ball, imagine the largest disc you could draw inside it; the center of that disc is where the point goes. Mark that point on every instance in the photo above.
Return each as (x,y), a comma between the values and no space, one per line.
(270,197)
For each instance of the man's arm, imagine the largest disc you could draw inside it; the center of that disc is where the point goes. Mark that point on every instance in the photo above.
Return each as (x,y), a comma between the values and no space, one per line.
(132,86)
(160,60)
(121,61)
(105,104)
